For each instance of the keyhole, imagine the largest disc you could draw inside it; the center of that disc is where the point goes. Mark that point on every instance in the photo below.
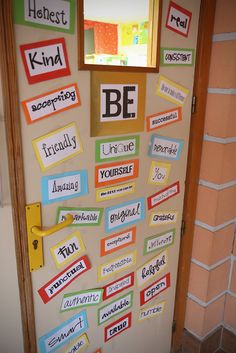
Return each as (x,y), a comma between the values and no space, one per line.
(35,244)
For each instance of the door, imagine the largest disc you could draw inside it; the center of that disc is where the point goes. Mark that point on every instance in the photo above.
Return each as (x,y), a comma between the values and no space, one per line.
(138,277)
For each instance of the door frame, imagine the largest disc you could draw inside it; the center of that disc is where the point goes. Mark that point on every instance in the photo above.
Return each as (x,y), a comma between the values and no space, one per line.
(15,156)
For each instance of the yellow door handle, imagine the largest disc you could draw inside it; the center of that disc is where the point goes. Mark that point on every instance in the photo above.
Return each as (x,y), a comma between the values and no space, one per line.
(44,232)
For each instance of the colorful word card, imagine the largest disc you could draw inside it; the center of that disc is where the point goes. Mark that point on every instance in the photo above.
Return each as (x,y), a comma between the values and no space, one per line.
(151,311)
(115,308)
(78,345)
(65,186)
(63,333)
(111,94)
(116,265)
(118,286)
(83,216)
(154,289)
(45,60)
(171,91)
(117,103)
(68,249)
(114,173)
(51,103)
(113,192)
(117,327)
(156,121)
(125,214)
(116,148)
(152,268)
(57,146)
(177,57)
(49,14)
(80,299)
(64,278)
(118,241)
(159,241)
(178,19)
(163,217)
(159,173)
(163,195)
(165,147)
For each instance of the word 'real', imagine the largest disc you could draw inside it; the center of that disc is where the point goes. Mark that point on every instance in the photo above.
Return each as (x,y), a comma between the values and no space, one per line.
(116,265)
(63,279)
(117,327)
(151,311)
(68,249)
(82,298)
(171,91)
(48,14)
(78,345)
(156,121)
(115,308)
(178,19)
(57,146)
(63,333)
(64,186)
(154,289)
(163,195)
(125,214)
(45,60)
(117,241)
(152,268)
(118,286)
(51,103)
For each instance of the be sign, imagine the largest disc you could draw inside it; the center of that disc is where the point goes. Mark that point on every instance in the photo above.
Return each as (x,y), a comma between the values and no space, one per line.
(118,102)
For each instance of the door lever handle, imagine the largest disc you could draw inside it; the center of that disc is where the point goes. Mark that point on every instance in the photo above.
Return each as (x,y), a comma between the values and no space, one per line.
(45,232)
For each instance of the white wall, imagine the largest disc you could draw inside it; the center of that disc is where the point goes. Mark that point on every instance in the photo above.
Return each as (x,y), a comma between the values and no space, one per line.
(11,339)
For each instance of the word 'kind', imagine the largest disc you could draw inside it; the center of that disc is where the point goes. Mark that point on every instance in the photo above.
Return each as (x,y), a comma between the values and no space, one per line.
(45,60)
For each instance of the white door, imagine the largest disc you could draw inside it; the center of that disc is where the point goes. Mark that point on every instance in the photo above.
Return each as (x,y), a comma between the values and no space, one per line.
(127,245)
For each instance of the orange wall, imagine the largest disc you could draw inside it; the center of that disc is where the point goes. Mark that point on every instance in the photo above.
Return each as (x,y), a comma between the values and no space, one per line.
(212,288)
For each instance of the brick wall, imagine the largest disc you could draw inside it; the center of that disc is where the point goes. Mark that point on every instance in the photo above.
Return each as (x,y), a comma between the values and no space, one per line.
(212,287)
